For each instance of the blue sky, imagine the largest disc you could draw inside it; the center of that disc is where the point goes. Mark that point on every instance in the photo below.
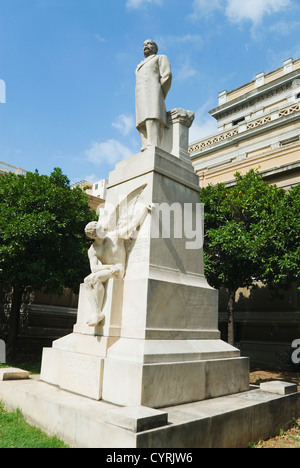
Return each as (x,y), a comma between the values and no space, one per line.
(69,69)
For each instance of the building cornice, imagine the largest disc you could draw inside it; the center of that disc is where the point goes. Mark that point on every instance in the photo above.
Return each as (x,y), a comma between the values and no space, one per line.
(256,95)
(233,165)
(253,128)
(271,173)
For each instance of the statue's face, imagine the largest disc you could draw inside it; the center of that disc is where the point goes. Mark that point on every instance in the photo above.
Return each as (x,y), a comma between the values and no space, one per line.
(101,231)
(150,48)
(95,230)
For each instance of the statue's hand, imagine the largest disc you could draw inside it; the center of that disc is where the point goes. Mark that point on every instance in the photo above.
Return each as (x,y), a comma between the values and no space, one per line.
(98,268)
(115,270)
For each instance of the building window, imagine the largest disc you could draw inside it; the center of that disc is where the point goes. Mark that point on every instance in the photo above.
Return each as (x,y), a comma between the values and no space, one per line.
(238,121)
(290,141)
(298,96)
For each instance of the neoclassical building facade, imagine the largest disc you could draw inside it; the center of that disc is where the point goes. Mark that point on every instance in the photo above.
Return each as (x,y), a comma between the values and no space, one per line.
(258,127)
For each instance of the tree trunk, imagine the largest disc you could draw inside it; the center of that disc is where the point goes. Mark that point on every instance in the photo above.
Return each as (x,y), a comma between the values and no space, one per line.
(14,319)
(230,308)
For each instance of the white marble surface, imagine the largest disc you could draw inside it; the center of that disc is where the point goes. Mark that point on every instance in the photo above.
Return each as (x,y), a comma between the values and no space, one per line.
(159,343)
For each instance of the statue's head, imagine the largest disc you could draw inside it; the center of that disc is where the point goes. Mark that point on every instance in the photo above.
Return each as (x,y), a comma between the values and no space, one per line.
(95,230)
(150,48)
(91,230)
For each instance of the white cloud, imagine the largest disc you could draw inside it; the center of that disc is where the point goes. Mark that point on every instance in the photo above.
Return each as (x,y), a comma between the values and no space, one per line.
(253,10)
(99,38)
(204,125)
(204,8)
(168,41)
(135,4)
(107,152)
(284,28)
(124,123)
(239,10)
(92,178)
(202,129)
(185,72)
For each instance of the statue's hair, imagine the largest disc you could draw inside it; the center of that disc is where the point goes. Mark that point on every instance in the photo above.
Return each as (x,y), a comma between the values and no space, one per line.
(91,229)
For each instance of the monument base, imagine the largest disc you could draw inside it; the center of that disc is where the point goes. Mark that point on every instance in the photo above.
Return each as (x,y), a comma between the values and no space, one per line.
(152,373)
(231,421)
(153,365)
(159,344)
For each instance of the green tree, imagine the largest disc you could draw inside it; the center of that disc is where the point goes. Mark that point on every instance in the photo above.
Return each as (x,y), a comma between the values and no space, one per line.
(280,241)
(251,234)
(42,241)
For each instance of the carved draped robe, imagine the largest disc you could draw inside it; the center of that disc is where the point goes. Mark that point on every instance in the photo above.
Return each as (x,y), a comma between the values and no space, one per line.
(153,82)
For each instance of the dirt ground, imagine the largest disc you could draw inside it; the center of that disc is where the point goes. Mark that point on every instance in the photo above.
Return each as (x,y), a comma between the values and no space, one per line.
(290,438)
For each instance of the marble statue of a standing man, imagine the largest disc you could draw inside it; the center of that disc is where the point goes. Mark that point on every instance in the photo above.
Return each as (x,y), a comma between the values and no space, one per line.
(153,82)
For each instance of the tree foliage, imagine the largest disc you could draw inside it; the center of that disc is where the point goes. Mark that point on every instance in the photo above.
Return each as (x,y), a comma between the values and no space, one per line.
(42,241)
(280,241)
(252,233)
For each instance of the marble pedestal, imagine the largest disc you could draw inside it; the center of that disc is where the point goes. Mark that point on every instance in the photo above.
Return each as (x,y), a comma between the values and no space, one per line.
(159,344)
(231,421)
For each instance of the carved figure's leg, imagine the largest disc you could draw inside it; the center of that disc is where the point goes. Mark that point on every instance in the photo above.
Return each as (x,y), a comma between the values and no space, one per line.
(96,290)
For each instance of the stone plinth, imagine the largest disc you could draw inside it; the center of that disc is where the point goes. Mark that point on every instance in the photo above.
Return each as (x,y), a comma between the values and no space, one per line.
(159,343)
(279,387)
(137,418)
(12,373)
(231,421)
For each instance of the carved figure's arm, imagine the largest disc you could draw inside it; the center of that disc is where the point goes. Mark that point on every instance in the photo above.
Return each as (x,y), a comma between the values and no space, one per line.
(95,263)
(126,231)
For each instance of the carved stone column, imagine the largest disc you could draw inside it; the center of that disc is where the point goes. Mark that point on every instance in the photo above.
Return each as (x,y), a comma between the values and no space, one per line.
(176,137)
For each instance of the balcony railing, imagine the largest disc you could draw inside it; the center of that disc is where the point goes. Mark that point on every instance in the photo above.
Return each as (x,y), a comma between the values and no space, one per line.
(4,167)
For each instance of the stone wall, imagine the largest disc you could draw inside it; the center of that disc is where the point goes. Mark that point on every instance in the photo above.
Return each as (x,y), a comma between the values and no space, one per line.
(265,325)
